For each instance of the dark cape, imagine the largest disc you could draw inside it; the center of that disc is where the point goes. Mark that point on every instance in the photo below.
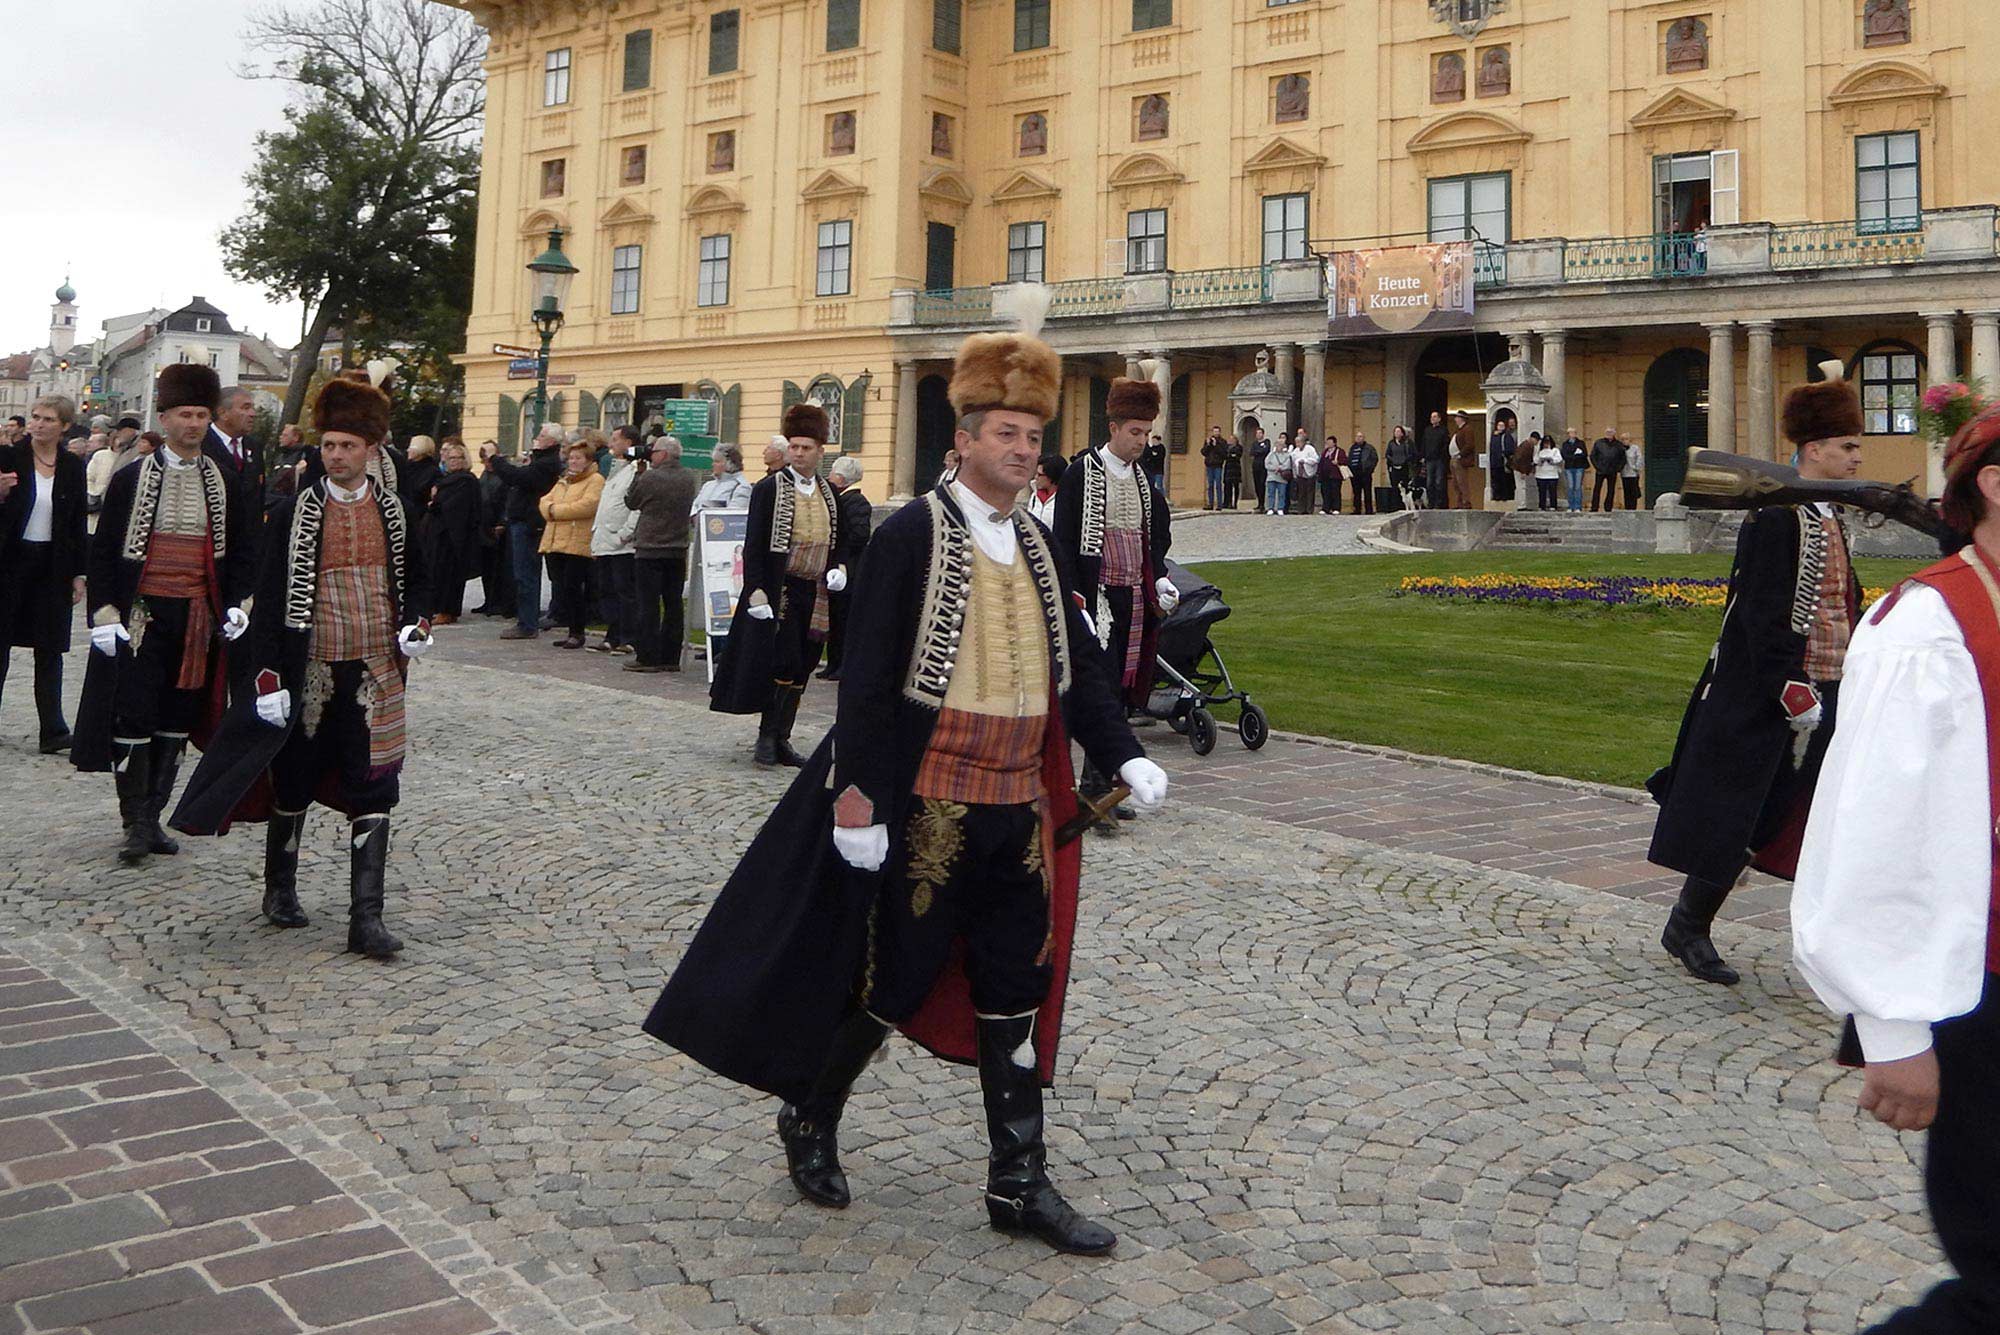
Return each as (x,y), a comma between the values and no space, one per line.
(452,549)
(232,782)
(779,960)
(117,560)
(41,607)
(1079,530)
(1732,791)
(742,682)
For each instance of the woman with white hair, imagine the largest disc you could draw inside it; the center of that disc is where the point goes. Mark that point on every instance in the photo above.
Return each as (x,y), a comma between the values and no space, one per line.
(726,488)
(857,520)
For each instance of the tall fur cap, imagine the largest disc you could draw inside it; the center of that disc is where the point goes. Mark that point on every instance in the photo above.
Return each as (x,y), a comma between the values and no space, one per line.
(806,419)
(1017,372)
(356,408)
(1132,401)
(187,385)
(1822,411)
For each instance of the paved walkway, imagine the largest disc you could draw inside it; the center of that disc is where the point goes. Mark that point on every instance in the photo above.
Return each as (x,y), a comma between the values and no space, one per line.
(1315,1083)
(1247,536)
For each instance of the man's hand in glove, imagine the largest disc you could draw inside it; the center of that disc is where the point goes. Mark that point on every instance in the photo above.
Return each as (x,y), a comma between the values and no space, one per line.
(865,847)
(275,707)
(1147,781)
(1169,596)
(414,641)
(234,622)
(105,638)
(836,579)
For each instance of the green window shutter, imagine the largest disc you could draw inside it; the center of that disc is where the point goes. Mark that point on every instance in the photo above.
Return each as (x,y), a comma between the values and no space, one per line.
(853,411)
(732,412)
(556,407)
(946,22)
(793,394)
(509,434)
(638,60)
(843,24)
(586,408)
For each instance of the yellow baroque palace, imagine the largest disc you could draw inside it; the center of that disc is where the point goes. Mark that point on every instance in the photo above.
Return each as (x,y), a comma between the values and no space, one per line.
(1678,207)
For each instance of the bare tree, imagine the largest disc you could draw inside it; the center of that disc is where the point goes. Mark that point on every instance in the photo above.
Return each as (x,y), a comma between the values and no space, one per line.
(358,196)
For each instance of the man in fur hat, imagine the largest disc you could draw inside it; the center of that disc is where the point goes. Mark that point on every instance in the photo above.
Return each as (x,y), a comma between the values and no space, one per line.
(794,556)
(1741,780)
(911,878)
(169,582)
(1116,526)
(343,608)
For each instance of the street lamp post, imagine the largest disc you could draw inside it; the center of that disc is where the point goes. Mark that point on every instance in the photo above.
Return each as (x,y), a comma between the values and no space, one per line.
(553,274)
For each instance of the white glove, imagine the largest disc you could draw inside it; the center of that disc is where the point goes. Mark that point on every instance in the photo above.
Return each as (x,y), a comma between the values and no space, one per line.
(1147,781)
(864,847)
(836,579)
(1809,720)
(1169,596)
(274,707)
(761,612)
(234,622)
(105,639)
(413,641)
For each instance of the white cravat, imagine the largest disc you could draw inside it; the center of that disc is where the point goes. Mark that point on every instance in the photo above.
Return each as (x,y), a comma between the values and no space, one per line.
(806,485)
(340,493)
(992,530)
(1115,466)
(175,461)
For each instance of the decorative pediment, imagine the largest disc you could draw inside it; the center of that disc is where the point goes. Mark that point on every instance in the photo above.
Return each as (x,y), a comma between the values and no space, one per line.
(946,186)
(542,221)
(1146,169)
(1885,81)
(1283,155)
(1026,185)
(1680,107)
(1468,129)
(830,184)
(624,211)
(713,199)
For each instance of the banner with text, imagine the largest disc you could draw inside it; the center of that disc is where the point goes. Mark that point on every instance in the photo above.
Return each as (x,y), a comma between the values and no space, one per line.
(1400,290)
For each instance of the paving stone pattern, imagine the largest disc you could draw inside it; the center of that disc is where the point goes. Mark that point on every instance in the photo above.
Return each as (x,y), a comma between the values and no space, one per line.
(1315,1083)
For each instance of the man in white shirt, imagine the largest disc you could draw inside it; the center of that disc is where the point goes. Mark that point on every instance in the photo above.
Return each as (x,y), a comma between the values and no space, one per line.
(229,443)
(1893,911)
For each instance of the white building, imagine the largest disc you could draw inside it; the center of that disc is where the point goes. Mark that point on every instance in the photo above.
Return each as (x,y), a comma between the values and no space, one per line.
(139,345)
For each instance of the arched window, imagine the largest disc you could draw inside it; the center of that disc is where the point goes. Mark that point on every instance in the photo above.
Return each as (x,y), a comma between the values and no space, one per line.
(1891,375)
(617,408)
(829,394)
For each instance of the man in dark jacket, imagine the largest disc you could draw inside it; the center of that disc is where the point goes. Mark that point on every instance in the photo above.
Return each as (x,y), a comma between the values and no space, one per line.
(1361,460)
(496,561)
(664,497)
(1260,464)
(1214,453)
(1576,459)
(1434,448)
(527,483)
(229,443)
(1607,460)
(857,522)
(1232,474)
(1500,447)
(1154,461)
(1763,711)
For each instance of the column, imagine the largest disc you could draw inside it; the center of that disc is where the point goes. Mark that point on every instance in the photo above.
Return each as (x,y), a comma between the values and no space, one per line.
(1943,369)
(1399,383)
(1762,407)
(903,453)
(1312,395)
(1132,360)
(1286,369)
(1986,348)
(1722,386)
(1555,370)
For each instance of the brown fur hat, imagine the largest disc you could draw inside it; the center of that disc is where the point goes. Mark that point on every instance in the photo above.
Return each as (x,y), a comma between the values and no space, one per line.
(1017,372)
(354,407)
(805,419)
(1822,411)
(187,385)
(1132,401)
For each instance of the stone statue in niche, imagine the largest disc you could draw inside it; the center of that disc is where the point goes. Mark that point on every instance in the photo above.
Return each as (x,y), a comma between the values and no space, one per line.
(1886,23)
(1153,117)
(1034,135)
(1294,98)
(722,151)
(1496,72)
(840,133)
(1448,78)
(1687,46)
(940,134)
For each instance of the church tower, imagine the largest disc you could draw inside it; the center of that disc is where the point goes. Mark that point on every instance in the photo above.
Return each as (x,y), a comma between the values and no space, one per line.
(62,320)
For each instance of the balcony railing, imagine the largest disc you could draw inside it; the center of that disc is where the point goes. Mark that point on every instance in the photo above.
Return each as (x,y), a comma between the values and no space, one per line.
(1086,296)
(955,305)
(1667,255)
(1200,288)
(1489,265)
(1847,244)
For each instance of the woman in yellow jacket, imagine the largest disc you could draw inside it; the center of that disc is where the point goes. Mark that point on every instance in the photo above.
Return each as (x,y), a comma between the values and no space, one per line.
(568,510)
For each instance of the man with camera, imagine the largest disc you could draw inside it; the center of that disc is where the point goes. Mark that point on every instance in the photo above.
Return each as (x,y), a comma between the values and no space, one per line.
(663,496)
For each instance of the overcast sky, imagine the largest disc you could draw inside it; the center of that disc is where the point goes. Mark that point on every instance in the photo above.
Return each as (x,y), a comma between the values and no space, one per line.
(128,135)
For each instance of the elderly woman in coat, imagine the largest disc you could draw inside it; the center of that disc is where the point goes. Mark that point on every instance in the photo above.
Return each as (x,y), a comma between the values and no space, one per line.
(569,509)
(726,488)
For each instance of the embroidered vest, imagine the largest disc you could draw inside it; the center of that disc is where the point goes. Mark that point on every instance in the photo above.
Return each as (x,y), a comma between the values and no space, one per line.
(987,744)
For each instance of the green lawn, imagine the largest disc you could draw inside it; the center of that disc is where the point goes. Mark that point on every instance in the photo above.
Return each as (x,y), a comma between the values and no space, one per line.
(1325,646)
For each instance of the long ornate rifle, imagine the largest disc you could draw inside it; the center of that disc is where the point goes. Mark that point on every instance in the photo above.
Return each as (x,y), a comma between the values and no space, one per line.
(1720,481)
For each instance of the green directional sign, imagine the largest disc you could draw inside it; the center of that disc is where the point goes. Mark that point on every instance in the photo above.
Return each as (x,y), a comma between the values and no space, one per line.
(687,417)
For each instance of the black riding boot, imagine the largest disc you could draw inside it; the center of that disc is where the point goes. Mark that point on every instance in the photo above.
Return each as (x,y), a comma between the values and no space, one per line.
(1686,936)
(167,753)
(1019,1196)
(132,772)
(281,869)
(369,839)
(766,753)
(48,703)
(810,1130)
(781,735)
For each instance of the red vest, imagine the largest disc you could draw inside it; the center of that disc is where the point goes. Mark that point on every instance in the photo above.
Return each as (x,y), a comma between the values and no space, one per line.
(1970,585)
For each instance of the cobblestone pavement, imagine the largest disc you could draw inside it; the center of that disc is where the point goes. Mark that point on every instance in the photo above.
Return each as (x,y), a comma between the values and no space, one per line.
(1247,536)
(1315,1083)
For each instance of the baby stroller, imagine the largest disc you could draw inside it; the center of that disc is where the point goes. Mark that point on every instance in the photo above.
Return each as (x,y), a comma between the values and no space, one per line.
(1185,688)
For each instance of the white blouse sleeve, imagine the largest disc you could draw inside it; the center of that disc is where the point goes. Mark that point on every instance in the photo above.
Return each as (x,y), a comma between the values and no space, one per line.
(1889,911)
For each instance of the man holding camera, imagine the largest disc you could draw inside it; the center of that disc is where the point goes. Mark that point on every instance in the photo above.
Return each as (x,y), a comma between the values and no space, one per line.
(663,496)
(342,609)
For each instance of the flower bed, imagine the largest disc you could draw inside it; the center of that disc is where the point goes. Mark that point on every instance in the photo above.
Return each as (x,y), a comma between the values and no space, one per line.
(1573,590)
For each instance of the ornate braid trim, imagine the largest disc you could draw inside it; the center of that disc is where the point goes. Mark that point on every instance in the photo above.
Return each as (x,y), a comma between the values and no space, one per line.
(1812,567)
(145,507)
(302,558)
(1090,539)
(215,492)
(1042,565)
(785,496)
(941,623)
(936,839)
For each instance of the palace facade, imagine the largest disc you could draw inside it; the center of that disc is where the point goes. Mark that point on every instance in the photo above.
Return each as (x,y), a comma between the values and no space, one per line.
(1678,207)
